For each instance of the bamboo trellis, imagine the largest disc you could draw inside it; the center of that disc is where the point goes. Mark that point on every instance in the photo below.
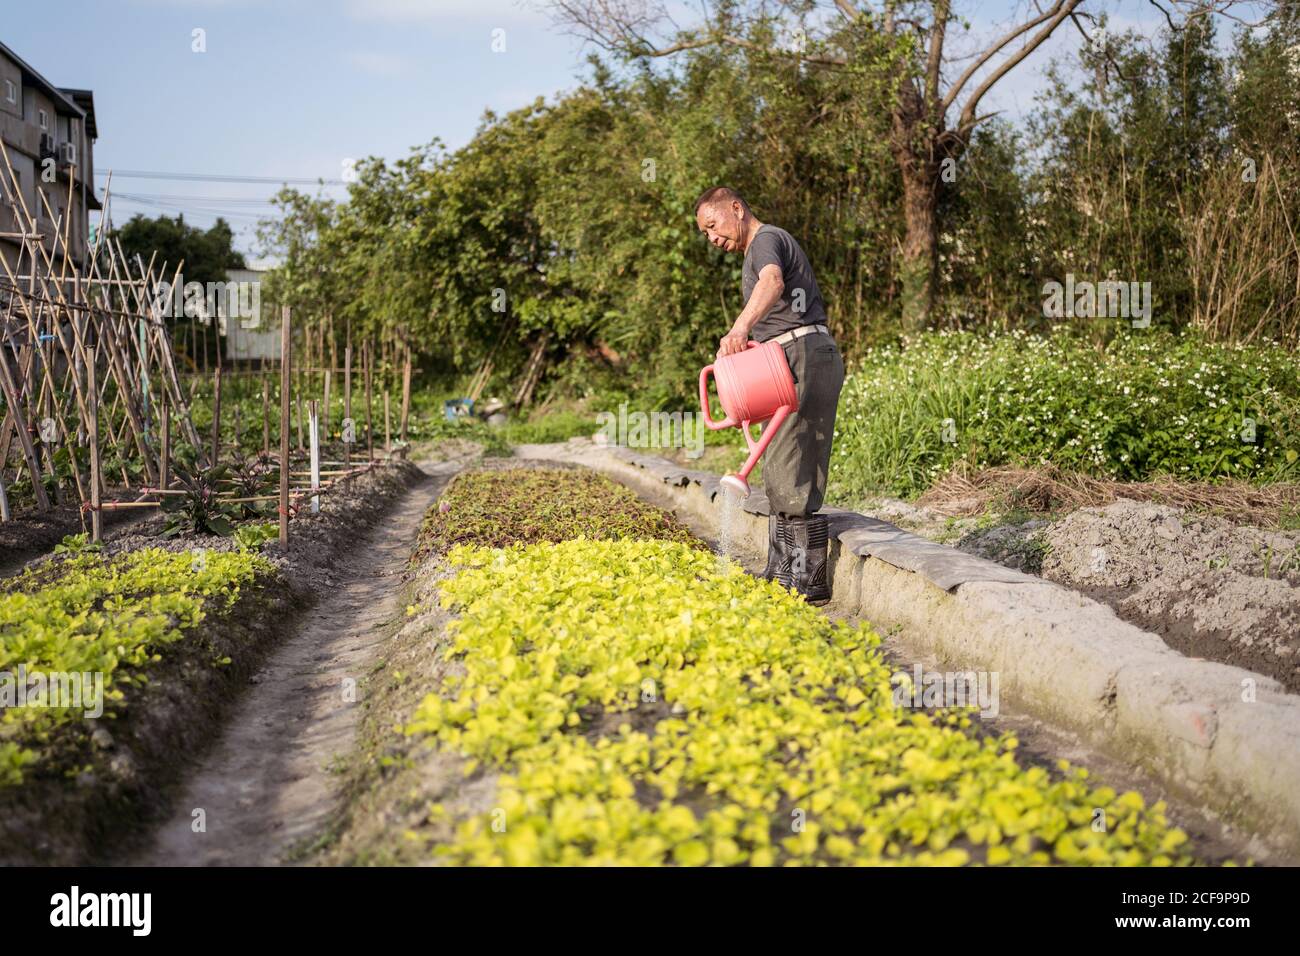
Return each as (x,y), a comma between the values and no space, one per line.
(82,346)
(87,367)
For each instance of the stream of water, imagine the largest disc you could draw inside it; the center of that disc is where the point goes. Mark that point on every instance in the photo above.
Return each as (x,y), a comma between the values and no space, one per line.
(727,525)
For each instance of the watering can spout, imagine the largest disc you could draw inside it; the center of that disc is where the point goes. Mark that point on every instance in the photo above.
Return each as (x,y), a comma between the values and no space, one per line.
(735,486)
(754,386)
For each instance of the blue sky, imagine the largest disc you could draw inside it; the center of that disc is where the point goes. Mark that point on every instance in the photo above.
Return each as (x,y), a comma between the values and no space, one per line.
(294,88)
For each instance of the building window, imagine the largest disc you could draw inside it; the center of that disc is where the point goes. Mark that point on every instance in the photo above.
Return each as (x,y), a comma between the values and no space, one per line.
(42,120)
(11,91)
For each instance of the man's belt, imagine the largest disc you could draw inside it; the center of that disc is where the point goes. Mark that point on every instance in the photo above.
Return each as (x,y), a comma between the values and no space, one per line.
(799,333)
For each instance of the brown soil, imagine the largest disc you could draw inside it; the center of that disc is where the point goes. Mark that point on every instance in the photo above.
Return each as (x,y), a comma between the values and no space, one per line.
(391,780)
(1048,488)
(32,534)
(1212,587)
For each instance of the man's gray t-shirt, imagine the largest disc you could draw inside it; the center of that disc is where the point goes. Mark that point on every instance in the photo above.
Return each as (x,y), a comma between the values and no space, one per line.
(801,301)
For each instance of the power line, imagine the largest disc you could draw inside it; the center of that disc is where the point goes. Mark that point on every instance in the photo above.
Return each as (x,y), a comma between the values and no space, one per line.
(217,200)
(200,210)
(218,178)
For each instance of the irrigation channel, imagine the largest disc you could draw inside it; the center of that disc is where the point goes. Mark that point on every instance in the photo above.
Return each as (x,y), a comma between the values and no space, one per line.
(266,787)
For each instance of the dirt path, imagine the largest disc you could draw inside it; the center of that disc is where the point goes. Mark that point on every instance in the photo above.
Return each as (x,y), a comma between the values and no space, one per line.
(267,784)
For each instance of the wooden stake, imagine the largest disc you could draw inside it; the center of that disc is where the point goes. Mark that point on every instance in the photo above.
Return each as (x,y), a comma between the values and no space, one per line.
(266,415)
(96,519)
(286,363)
(12,397)
(165,453)
(325,420)
(216,415)
(388,429)
(347,402)
(406,391)
(314,428)
(369,358)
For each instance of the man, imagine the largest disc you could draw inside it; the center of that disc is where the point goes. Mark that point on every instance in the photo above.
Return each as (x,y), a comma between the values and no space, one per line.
(782,302)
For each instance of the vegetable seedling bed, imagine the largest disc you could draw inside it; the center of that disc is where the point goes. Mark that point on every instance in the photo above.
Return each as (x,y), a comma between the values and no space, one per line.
(588,693)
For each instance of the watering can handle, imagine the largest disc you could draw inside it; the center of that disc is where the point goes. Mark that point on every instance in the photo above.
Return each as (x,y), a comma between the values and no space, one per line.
(727,422)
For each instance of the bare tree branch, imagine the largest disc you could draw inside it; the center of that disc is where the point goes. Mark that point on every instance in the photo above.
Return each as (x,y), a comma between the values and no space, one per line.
(955,90)
(942,9)
(1168,17)
(1064,8)
(625,26)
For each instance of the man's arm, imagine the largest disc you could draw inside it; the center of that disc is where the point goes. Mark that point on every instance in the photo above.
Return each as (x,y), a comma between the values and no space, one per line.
(767,292)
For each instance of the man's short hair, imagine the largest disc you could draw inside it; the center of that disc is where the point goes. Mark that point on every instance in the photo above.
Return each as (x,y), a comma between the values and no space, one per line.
(719,194)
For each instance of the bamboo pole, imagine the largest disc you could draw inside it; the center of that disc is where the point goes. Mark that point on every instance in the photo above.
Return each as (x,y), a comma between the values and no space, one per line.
(406,391)
(216,415)
(14,399)
(96,519)
(266,415)
(325,420)
(165,452)
(368,354)
(286,363)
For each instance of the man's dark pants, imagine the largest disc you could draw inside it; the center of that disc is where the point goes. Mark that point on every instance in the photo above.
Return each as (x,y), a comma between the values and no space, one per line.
(796,463)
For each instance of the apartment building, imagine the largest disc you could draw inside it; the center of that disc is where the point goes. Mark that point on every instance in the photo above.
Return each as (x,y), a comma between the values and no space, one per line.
(49,133)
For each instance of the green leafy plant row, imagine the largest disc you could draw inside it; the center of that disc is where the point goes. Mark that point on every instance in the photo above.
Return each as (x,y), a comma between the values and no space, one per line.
(113,617)
(522,505)
(644,702)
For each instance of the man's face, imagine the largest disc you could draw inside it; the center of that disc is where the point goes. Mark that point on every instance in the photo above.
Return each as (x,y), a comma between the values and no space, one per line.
(723,224)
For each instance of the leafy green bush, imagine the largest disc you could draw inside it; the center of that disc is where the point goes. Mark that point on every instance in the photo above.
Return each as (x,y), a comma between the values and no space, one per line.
(523,505)
(1151,403)
(88,615)
(469,428)
(77,544)
(644,702)
(250,537)
(560,426)
(199,509)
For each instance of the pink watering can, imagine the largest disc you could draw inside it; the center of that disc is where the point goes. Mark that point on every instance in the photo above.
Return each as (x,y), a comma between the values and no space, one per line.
(753,386)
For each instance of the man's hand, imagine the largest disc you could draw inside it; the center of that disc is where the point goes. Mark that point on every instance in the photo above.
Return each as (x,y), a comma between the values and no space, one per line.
(737,340)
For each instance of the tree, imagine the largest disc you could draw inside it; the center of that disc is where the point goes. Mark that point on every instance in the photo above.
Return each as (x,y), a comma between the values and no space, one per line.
(904,43)
(206,254)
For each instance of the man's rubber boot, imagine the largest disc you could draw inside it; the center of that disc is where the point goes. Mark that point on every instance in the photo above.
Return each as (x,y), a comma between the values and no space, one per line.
(778,555)
(807,540)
